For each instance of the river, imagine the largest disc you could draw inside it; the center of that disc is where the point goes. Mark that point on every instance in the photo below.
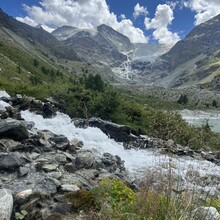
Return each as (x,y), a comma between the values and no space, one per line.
(198,118)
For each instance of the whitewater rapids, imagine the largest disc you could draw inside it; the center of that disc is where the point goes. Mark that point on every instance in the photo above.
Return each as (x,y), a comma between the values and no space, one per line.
(136,161)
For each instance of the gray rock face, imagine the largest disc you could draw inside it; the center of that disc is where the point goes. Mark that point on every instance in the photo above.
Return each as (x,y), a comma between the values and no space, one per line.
(119,133)
(8,145)
(61,141)
(85,159)
(101,46)
(6,204)
(13,129)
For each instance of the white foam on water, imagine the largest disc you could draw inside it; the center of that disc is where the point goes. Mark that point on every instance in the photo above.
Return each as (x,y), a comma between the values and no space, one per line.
(3,105)
(136,161)
(4,94)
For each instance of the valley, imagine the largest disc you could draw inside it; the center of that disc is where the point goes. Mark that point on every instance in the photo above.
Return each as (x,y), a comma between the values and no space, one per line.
(95,127)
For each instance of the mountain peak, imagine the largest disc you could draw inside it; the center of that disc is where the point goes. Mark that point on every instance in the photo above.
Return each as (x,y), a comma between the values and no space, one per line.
(104,26)
(39,26)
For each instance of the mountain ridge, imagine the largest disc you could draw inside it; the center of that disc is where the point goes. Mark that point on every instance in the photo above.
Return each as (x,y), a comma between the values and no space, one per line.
(38,36)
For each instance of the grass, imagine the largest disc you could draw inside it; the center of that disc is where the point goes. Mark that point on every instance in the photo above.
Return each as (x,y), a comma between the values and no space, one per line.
(153,199)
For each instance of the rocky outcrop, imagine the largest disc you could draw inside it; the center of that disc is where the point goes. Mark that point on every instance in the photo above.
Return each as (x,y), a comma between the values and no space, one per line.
(120,133)
(40,169)
(47,108)
(6,204)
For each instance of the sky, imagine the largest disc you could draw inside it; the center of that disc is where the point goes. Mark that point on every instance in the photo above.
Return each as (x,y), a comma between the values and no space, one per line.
(143,21)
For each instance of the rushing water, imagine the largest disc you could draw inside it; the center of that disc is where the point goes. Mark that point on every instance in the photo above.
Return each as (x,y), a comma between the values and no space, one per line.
(136,161)
(2,103)
(199,118)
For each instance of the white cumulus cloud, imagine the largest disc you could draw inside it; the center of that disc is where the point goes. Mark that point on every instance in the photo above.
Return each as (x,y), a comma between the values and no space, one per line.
(204,9)
(79,13)
(162,19)
(122,16)
(139,10)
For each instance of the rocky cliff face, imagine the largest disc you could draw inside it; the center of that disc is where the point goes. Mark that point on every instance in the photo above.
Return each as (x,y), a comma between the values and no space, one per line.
(104,46)
(192,61)
(101,46)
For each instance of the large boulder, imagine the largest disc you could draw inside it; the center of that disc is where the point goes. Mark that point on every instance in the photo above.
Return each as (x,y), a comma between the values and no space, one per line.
(6,204)
(120,133)
(13,129)
(85,159)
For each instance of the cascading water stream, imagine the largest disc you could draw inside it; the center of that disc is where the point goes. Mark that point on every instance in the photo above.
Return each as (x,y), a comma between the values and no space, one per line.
(136,161)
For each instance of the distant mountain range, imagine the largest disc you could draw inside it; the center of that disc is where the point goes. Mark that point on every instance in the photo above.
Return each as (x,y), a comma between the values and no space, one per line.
(194,61)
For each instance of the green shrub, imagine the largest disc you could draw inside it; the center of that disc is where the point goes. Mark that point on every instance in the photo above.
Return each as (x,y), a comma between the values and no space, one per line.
(214,202)
(81,200)
(114,199)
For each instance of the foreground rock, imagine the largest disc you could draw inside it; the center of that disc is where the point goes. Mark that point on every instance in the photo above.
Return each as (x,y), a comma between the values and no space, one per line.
(6,204)
(9,162)
(13,129)
(44,166)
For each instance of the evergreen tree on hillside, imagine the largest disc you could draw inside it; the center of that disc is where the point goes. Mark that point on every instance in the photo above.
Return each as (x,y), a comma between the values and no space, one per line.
(94,82)
(183,99)
(214,103)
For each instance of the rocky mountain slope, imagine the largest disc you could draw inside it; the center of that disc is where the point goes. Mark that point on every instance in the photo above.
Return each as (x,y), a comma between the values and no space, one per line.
(33,61)
(104,46)
(192,61)
(100,46)
(38,37)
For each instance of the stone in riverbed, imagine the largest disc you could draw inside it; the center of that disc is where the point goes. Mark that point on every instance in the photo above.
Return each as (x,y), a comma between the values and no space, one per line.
(23,196)
(23,171)
(61,158)
(9,162)
(50,167)
(13,129)
(69,188)
(85,159)
(8,145)
(70,168)
(61,142)
(6,204)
